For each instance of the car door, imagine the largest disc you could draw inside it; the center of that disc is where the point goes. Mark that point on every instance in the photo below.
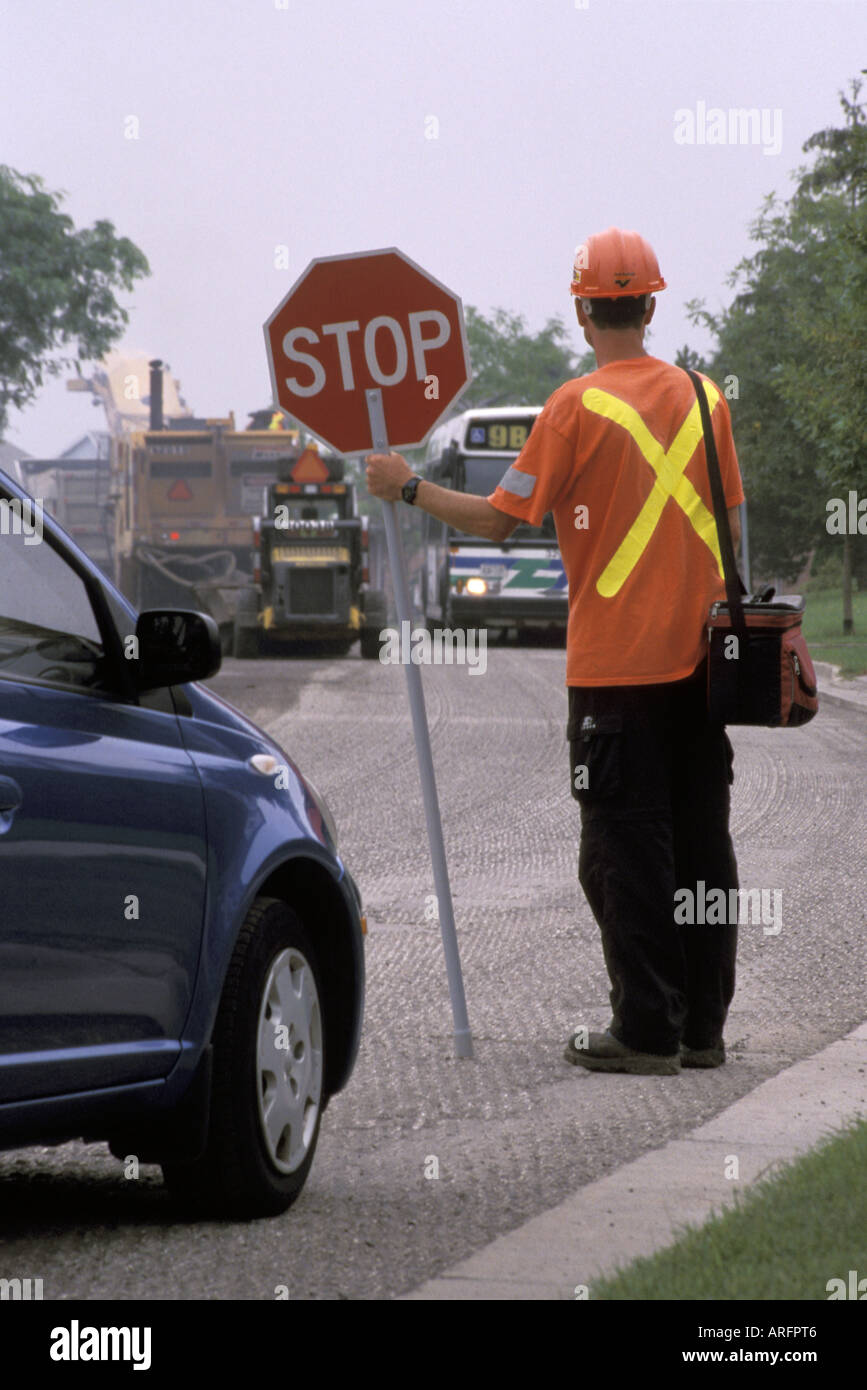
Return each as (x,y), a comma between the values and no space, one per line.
(102,844)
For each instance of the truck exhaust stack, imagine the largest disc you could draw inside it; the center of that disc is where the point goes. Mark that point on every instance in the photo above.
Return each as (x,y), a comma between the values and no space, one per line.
(156,367)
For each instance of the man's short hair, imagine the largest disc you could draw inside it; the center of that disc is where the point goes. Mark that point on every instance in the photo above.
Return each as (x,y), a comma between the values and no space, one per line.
(624,312)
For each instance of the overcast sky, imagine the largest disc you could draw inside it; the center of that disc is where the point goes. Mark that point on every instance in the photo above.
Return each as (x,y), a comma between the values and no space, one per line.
(484,138)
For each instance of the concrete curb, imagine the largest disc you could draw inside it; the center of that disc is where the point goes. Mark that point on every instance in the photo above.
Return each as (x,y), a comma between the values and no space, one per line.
(839,691)
(644,1205)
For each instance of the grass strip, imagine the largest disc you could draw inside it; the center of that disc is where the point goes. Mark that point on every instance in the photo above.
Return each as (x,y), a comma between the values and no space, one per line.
(823,629)
(786,1236)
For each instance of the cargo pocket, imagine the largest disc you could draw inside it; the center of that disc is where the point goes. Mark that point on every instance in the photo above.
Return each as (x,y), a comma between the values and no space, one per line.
(595,754)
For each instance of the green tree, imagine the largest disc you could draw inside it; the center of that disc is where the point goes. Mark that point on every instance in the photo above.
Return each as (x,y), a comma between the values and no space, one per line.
(777,463)
(57,288)
(795,338)
(824,385)
(688,357)
(514,367)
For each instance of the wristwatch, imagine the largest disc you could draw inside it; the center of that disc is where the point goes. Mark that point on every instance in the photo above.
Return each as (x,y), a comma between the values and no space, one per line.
(410,488)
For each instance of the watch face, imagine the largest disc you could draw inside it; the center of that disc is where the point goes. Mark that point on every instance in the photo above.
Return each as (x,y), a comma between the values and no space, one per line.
(409,490)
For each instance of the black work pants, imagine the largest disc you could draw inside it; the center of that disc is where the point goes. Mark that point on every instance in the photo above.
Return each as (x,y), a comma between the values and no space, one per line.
(652,777)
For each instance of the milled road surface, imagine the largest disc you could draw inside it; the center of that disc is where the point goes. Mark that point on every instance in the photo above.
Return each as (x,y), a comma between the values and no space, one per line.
(516,1129)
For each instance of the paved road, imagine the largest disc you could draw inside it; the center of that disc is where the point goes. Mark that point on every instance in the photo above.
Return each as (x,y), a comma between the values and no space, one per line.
(515,1130)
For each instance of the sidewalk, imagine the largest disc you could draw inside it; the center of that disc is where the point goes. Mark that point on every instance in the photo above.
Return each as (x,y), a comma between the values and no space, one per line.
(639,1209)
(643,1205)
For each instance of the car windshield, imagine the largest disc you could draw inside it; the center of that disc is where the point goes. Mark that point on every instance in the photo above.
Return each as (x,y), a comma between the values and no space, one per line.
(47,626)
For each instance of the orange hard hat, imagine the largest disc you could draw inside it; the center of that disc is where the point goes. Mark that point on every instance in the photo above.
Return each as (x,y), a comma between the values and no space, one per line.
(613,264)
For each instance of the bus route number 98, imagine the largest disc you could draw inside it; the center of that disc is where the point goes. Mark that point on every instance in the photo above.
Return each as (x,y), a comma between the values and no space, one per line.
(507,436)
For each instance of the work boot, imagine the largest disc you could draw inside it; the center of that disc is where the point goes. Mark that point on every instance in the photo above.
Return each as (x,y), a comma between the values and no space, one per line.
(604,1052)
(702,1056)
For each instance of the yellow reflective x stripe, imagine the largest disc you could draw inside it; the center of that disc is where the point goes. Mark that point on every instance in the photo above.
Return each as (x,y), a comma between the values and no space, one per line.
(670,482)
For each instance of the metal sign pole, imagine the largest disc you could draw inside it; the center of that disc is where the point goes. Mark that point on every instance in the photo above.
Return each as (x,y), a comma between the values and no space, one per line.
(463,1037)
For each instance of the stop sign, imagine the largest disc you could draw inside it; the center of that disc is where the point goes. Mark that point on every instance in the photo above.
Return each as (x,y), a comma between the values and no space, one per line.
(369,319)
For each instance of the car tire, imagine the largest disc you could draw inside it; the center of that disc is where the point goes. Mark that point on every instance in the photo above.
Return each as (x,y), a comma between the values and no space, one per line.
(268,1093)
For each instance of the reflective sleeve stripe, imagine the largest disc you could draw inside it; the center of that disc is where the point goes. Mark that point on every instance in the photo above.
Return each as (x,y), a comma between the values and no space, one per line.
(518,483)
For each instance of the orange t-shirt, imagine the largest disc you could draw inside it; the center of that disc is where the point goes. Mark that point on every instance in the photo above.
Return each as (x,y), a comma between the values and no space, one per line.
(618,457)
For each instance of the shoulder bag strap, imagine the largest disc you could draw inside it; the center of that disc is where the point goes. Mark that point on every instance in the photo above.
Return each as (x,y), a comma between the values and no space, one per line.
(734,586)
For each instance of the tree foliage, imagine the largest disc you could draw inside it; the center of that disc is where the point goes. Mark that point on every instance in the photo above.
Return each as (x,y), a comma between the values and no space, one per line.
(795,336)
(57,287)
(514,367)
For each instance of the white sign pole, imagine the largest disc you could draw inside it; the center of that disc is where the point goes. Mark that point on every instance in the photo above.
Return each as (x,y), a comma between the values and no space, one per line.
(463,1037)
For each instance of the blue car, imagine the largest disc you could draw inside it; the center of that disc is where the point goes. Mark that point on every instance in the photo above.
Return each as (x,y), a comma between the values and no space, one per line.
(181,952)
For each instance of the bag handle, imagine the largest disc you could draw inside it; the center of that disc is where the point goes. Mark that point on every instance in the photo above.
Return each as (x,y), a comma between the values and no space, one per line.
(734,583)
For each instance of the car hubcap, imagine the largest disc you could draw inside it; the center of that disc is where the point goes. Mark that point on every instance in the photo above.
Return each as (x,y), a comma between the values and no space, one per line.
(289,1060)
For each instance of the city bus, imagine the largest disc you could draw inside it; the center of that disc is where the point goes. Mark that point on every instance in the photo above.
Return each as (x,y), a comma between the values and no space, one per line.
(468,581)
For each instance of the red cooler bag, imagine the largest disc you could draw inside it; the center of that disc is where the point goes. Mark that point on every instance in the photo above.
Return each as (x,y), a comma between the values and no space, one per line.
(759,670)
(772,680)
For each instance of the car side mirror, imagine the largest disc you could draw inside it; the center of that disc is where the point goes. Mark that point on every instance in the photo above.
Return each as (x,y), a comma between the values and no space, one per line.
(176,646)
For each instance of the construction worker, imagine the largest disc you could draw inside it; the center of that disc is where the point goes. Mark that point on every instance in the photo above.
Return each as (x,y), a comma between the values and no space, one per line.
(618,456)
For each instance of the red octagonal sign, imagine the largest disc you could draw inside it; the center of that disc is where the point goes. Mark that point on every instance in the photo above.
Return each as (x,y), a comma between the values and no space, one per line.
(370,319)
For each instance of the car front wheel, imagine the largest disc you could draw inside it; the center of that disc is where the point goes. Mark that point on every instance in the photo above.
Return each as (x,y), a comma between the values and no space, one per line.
(269,1067)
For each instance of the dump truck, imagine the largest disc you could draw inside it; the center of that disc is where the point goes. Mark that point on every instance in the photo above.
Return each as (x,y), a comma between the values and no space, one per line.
(188,490)
(311,564)
(183,490)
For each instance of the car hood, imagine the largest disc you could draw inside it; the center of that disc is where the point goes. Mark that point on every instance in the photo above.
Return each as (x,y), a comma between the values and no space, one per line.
(212,707)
